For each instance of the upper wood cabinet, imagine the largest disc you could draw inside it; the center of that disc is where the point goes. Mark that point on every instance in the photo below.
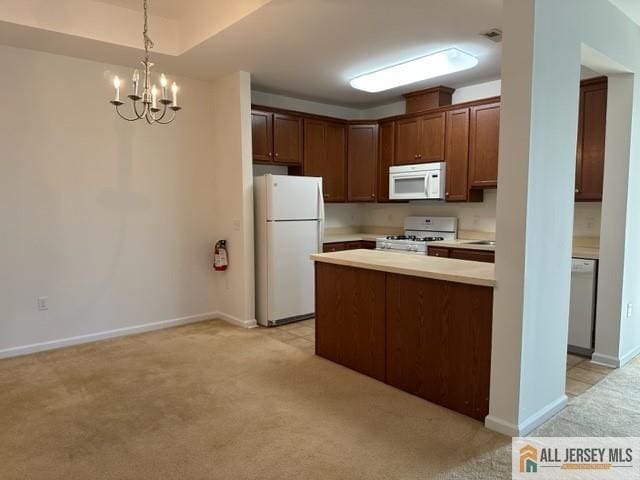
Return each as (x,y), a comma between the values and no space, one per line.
(325,155)
(420,139)
(484,137)
(362,163)
(262,136)
(386,150)
(457,155)
(406,142)
(432,139)
(591,140)
(276,138)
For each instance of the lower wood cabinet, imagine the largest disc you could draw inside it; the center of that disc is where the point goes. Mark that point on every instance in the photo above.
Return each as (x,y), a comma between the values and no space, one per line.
(473,255)
(339,246)
(427,337)
(439,342)
(463,254)
(350,318)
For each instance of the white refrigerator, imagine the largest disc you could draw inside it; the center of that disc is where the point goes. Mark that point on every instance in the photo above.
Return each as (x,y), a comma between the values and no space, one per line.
(289,227)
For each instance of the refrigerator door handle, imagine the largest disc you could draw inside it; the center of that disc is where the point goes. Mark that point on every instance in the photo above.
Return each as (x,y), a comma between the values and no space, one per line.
(320,217)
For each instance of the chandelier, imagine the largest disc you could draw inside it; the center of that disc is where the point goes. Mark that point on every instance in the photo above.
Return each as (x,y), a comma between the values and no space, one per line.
(148,108)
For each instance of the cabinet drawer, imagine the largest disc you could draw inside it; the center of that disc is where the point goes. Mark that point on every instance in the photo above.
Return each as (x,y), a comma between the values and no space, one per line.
(438,252)
(333,247)
(473,255)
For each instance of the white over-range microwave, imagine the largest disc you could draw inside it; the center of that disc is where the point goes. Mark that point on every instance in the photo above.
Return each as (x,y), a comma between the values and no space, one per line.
(425,181)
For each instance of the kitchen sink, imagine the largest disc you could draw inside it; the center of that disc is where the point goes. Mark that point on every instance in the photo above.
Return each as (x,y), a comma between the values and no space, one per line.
(483,242)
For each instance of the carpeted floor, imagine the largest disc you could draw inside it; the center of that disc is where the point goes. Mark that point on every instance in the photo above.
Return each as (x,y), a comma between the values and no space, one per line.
(211,401)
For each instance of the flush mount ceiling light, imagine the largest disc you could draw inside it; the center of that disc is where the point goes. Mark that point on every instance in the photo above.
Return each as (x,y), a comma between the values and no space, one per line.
(430,66)
(148,110)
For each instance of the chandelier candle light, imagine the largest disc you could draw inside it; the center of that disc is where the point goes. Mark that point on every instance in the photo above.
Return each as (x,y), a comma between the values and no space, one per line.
(149,110)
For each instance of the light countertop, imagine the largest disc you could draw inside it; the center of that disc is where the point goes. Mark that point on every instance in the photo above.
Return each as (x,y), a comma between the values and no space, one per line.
(578,252)
(446,269)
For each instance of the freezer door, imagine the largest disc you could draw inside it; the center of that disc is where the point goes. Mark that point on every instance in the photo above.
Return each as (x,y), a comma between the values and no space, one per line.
(293,198)
(290,268)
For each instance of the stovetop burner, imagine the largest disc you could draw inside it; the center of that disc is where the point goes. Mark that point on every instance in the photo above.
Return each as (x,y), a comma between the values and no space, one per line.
(413,238)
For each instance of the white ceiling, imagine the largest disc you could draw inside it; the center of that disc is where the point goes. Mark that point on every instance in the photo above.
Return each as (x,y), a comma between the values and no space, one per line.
(631,8)
(304,48)
(172,9)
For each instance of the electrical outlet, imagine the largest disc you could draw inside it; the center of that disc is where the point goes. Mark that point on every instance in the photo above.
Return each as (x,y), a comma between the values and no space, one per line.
(43,303)
(629,310)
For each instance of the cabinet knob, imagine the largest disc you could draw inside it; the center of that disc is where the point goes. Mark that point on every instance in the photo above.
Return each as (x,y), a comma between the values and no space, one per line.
(419,155)
(373,195)
(276,154)
(577,190)
(269,154)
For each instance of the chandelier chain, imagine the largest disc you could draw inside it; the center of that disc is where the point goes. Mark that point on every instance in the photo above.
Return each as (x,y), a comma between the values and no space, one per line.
(148,43)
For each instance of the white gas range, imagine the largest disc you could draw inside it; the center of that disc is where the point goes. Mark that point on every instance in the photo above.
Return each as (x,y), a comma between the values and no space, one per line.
(418,233)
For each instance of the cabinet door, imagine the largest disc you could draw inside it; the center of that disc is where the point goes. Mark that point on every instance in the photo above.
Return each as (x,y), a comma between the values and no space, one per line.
(386,139)
(362,163)
(262,136)
(473,255)
(439,342)
(325,156)
(591,141)
(335,184)
(406,146)
(457,155)
(483,145)
(287,139)
(431,138)
(350,318)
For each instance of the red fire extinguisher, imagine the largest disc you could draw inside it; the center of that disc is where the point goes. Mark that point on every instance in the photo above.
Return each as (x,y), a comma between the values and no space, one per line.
(220,258)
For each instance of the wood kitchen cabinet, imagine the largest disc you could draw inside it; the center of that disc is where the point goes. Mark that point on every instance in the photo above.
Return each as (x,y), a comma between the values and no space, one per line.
(484,137)
(262,136)
(362,163)
(487,256)
(457,155)
(340,246)
(439,349)
(438,252)
(386,151)
(420,139)
(351,331)
(325,155)
(591,139)
(276,138)
(473,255)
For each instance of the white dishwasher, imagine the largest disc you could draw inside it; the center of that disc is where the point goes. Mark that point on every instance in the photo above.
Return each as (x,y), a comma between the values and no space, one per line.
(583,305)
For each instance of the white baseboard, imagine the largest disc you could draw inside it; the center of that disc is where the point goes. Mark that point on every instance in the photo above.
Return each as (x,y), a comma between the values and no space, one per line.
(606,360)
(92,337)
(627,357)
(528,425)
(236,321)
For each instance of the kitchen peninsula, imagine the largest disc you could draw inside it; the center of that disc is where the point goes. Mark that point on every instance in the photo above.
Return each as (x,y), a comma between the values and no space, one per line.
(419,323)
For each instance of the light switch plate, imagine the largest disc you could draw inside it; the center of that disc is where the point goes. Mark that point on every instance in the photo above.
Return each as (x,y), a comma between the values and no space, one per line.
(43,303)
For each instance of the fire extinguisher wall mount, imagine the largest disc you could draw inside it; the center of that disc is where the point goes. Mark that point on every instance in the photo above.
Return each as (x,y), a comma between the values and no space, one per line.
(220,257)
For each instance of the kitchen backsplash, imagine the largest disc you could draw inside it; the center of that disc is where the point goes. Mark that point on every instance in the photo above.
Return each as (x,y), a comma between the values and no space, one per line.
(479,217)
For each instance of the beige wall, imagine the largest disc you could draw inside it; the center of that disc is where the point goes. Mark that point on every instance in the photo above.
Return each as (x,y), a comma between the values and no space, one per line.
(233,209)
(113,221)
